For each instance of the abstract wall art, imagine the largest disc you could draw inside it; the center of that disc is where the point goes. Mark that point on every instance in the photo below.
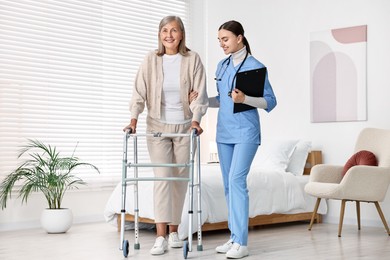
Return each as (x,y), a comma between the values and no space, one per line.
(338,77)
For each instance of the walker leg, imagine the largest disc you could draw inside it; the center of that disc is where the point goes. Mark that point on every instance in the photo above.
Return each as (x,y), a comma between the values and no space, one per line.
(136,209)
(123,199)
(198,175)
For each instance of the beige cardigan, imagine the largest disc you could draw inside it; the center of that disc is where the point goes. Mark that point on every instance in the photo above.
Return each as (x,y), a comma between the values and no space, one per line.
(149,83)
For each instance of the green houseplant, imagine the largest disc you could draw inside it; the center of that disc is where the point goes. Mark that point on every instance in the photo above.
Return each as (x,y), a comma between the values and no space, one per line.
(45,171)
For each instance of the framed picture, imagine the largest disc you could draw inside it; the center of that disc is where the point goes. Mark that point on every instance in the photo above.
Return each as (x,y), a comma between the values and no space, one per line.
(338,76)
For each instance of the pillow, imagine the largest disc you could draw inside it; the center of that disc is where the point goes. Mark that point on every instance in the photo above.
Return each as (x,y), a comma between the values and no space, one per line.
(362,157)
(298,158)
(274,154)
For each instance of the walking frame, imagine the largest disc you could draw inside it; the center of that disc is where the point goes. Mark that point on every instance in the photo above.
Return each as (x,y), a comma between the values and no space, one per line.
(192,182)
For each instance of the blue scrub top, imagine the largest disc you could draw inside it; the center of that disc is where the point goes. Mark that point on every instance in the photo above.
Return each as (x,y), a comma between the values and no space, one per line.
(242,127)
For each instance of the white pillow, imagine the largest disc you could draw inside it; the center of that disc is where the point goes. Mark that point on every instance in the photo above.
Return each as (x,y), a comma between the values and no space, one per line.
(274,154)
(298,158)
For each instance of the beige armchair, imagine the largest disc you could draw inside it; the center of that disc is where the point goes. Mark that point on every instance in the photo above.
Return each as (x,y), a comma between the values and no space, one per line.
(360,183)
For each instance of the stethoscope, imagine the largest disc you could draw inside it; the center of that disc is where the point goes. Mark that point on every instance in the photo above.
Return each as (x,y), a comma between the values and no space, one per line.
(219,76)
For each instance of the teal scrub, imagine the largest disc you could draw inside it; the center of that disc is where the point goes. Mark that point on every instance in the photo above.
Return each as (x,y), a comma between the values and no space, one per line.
(238,137)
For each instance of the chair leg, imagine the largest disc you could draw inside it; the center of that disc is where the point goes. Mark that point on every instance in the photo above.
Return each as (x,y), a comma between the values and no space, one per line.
(314,213)
(378,208)
(358,213)
(341,216)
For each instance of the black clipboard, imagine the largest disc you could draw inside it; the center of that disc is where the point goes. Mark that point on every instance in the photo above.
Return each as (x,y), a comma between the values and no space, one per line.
(251,82)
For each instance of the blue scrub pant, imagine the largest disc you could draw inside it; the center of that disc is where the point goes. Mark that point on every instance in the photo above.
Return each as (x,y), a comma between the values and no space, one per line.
(235,161)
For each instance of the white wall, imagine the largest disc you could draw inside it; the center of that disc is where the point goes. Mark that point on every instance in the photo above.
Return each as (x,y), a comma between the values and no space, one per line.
(278,33)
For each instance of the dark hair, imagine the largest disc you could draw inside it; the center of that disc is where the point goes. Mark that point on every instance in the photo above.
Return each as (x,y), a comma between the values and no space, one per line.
(183,50)
(237,29)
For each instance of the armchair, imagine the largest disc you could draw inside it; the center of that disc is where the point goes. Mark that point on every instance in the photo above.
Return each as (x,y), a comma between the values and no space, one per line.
(361,183)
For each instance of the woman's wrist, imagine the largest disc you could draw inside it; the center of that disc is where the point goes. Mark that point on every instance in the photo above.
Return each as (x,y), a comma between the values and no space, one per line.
(133,122)
(195,123)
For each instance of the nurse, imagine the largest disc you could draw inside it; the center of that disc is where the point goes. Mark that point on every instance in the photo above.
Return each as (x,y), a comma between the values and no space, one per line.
(238,134)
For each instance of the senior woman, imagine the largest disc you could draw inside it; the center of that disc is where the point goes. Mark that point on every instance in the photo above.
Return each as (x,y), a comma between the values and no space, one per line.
(164,81)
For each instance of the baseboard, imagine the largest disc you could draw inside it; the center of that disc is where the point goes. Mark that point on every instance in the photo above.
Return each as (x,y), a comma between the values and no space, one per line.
(36,223)
(352,221)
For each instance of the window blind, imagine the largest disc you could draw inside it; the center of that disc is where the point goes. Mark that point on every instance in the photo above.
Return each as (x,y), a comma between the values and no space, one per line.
(67,69)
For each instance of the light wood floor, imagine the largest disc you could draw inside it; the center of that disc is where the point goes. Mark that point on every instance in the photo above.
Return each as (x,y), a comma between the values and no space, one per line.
(292,241)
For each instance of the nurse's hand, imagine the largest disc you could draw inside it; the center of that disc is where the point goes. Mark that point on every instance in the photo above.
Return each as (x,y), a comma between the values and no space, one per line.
(238,96)
(192,96)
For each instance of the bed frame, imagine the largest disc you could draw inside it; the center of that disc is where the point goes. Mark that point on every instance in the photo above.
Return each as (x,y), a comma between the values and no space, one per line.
(314,157)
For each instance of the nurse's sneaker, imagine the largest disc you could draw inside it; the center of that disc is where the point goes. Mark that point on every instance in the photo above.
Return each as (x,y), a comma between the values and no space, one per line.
(160,246)
(225,247)
(237,251)
(174,240)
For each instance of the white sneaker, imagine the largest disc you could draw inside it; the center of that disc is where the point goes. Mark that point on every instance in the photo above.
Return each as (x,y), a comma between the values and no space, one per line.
(174,240)
(237,251)
(225,247)
(160,246)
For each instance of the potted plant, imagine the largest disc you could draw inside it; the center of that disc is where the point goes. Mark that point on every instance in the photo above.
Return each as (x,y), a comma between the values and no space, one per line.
(45,171)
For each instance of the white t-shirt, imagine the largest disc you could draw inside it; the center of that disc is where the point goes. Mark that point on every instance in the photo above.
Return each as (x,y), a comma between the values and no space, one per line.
(171,105)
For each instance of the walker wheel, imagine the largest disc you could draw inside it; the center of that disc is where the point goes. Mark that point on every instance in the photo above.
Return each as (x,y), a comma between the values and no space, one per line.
(125,248)
(185,249)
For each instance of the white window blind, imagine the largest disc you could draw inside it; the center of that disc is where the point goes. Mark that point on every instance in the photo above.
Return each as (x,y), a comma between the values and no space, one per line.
(67,70)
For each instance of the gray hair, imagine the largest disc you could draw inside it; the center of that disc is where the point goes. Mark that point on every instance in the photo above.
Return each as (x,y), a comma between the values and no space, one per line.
(183,50)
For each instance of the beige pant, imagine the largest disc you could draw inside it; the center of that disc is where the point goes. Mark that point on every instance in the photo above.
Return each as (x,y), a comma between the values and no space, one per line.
(169,195)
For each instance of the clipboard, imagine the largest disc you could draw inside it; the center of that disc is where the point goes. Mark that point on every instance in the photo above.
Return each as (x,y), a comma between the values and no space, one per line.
(250,82)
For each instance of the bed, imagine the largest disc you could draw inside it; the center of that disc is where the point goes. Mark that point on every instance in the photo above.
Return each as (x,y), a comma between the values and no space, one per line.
(276,183)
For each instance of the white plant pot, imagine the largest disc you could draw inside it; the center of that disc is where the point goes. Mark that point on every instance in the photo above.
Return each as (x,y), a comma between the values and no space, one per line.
(56,220)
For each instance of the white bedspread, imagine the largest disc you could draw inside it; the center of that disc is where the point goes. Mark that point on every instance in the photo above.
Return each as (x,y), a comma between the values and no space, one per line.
(269,192)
